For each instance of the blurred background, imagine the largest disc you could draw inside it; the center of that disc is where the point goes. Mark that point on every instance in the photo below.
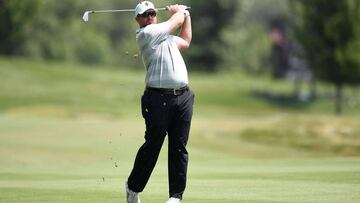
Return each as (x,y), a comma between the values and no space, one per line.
(272,78)
(301,41)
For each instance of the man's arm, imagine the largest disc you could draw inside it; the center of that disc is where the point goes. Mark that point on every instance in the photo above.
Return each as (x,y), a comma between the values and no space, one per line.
(185,34)
(178,20)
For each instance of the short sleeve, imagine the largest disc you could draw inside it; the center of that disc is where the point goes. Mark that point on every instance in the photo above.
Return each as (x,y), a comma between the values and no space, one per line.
(175,39)
(157,33)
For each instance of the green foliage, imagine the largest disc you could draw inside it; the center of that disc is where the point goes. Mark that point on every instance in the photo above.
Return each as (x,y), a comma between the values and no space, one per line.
(247,39)
(92,48)
(247,47)
(15,19)
(54,30)
(330,33)
(210,17)
(62,36)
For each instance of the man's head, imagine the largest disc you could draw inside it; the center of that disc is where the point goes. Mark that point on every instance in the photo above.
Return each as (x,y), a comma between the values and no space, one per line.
(145,13)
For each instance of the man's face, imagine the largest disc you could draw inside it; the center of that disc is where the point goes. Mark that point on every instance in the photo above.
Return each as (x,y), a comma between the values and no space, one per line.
(147,18)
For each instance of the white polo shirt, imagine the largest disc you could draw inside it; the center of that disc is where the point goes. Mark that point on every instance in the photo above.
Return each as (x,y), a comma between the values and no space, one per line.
(162,59)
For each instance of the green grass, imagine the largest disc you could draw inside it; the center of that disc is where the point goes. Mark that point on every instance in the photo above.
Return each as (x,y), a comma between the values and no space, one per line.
(74,160)
(61,89)
(65,89)
(70,134)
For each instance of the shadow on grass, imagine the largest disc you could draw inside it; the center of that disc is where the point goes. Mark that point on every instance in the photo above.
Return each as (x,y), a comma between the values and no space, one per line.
(283,100)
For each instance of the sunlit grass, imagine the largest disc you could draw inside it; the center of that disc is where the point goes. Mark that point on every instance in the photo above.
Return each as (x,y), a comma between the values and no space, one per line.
(77,160)
(70,133)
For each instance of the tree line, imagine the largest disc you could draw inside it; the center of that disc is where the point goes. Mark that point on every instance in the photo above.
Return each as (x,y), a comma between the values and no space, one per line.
(329,31)
(224,34)
(53,30)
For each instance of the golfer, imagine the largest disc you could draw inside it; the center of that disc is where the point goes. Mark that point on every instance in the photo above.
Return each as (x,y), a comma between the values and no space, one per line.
(167,102)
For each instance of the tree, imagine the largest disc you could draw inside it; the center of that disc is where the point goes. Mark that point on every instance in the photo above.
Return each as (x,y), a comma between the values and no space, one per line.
(15,16)
(53,30)
(330,33)
(209,18)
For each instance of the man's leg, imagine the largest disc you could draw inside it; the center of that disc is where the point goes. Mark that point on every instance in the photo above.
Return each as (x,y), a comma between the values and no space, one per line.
(155,115)
(178,137)
(145,162)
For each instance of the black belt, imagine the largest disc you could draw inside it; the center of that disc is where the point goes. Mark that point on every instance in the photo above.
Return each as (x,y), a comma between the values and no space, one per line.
(171,91)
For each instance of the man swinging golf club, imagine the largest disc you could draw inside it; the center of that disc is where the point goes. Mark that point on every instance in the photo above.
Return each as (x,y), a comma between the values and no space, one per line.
(167,102)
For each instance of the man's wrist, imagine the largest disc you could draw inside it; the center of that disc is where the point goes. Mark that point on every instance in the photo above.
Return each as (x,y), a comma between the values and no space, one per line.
(186,13)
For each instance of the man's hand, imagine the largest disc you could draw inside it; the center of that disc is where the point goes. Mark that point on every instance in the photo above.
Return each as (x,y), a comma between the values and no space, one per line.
(176,8)
(180,18)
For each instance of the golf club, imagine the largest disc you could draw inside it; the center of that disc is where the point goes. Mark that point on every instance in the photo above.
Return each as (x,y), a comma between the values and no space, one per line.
(87,13)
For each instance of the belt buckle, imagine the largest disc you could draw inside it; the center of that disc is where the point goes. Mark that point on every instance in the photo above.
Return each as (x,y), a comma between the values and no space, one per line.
(176,94)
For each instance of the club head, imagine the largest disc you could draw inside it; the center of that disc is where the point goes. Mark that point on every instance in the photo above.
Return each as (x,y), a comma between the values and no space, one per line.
(86,16)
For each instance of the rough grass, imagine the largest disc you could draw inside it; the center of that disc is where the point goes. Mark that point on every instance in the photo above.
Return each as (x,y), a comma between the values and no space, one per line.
(281,134)
(70,90)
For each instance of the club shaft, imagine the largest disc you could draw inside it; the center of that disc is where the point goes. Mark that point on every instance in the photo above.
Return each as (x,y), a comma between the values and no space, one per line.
(125,10)
(86,14)
(122,10)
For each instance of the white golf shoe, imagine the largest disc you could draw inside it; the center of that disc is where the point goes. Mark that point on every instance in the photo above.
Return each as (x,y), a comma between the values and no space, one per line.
(131,196)
(173,200)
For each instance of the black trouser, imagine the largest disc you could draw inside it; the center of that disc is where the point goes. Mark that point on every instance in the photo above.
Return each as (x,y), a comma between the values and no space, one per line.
(171,114)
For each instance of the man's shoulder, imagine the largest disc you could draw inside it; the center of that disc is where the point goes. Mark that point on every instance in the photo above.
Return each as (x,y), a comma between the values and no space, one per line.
(139,32)
(157,28)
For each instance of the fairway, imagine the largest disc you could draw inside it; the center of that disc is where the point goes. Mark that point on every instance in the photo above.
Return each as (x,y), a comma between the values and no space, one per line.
(69,133)
(88,160)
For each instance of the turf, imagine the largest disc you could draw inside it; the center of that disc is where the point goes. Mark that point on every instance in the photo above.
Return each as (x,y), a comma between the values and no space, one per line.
(68,90)
(74,160)
(70,134)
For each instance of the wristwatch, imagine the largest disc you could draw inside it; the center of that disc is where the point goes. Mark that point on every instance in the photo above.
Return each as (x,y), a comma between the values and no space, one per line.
(186,13)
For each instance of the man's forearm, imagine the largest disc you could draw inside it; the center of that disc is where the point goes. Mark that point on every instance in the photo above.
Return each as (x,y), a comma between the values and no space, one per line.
(186,30)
